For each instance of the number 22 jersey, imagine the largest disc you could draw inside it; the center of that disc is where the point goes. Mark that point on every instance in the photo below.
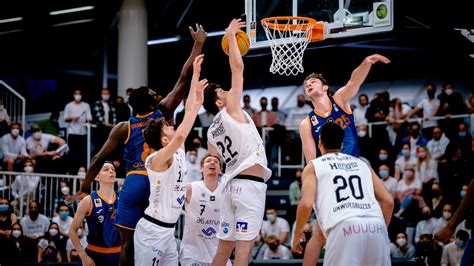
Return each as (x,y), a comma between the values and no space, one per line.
(344,190)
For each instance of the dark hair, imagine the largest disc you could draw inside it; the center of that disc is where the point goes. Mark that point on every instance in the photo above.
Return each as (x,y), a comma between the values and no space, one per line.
(463,235)
(141,101)
(270,206)
(431,84)
(332,136)
(364,95)
(316,76)
(415,124)
(152,133)
(62,204)
(35,128)
(15,124)
(210,98)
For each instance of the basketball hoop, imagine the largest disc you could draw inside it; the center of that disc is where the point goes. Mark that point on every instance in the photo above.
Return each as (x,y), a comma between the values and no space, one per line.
(289,37)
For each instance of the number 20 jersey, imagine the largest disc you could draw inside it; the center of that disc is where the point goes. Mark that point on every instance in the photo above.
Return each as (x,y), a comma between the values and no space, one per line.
(344,190)
(239,144)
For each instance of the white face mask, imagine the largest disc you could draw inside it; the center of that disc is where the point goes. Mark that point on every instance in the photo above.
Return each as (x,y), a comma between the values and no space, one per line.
(401,242)
(37,135)
(77,97)
(15,132)
(81,174)
(53,232)
(16,233)
(361,134)
(447,215)
(192,158)
(79,232)
(449,91)
(28,169)
(65,190)
(105,97)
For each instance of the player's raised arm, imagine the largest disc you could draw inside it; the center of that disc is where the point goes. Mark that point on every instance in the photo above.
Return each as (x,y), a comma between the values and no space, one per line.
(237,69)
(384,197)
(174,98)
(344,94)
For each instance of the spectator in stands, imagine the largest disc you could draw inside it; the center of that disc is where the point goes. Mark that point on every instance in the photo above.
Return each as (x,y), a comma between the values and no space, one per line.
(404,249)
(264,118)
(193,166)
(404,160)
(276,226)
(180,116)
(426,170)
(295,196)
(463,191)
(50,239)
(105,118)
(73,256)
(438,144)
(127,96)
(297,114)
(429,251)
(426,225)
(360,111)
(452,252)
(51,124)
(280,115)
(451,103)
(443,220)
(64,219)
(430,108)
(383,157)
(64,195)
(463,140)
(206,118)
(396,133)
(14,148)
(415,138)
(82,240)
(470,103)
(304,238)
(34,224)
(122,110)
(197,145)
(378,111)
(365,142)
(247,107)
(7,217)
(76,114)
(24,187)
(38,147)
(389,182)
(23,250)
(399,110)
(4,119)
(409,190)
(438,201)
(275,250)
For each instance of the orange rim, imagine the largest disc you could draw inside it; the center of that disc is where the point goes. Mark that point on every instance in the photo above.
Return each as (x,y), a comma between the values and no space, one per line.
(270,23)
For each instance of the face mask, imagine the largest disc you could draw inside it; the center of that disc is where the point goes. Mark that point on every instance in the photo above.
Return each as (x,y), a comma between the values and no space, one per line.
(273,246)
(1,107)
(425,216)
(4,208)
(16,233)
(79,232)
(383,173)
(406,153)
(65,190)
(81,174)
(15,132)
(462,134)
(63,215)
(408,174)
(401,242)
(415,134)
(300,103)
(383,157)
(308,235)
(447,215)
(77,97)
(460,244)
(271,218)
(361,133)
(463,193)
(436,193)
(105,97)
(431,94)
(33,215)
(422,155)
(28,169)
(53,232)
(449,91)
(37,135)
(264,106)
(192,158)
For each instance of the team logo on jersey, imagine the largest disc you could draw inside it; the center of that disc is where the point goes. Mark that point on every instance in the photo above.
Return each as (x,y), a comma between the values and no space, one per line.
(241,227)
(97,203)
(225,227)
(180,200)
(336,109)
(314,121)
(330,120)
(209,231)
(101,219)
(213,198)
(158,181)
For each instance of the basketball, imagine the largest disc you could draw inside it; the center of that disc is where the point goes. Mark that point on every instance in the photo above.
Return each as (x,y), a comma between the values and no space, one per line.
(242,41)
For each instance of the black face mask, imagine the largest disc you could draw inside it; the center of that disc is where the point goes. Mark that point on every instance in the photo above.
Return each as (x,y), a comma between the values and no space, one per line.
(425,216)
(301,103)
(264,106)
(415,134)
(34,215)
(274,106)
(273,246)
(431,94)
(436,193)
(308,235)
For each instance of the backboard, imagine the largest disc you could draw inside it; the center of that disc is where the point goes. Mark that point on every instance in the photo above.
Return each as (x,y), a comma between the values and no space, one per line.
(342,18)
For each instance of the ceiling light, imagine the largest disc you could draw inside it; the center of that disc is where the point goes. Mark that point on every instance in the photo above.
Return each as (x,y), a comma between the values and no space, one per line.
(73,22)
(7,20)
(71,10)
(10,31)
(215,33)
(165,40)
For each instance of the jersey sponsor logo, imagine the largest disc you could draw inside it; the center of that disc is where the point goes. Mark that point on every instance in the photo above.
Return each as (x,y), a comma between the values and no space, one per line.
(180,200)
(99,211)
(352,205)
(241,227)
(209,231)
(158,251)
(218,131)
(97,203)
(335,108)
(233,189)
(210,221)
(344,166)
(363,228)
(101,218)
(225,227)
(179,188)
(314,121)
(213,198)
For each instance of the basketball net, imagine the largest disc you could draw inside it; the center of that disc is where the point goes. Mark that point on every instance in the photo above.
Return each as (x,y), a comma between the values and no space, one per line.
(288,37)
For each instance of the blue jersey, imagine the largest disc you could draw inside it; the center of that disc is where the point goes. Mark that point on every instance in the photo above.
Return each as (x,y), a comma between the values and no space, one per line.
(102,237)
(136,150)
(344,120)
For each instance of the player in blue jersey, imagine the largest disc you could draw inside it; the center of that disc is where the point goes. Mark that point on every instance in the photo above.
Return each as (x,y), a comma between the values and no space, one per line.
(136,188)
(334,108)
(99,208)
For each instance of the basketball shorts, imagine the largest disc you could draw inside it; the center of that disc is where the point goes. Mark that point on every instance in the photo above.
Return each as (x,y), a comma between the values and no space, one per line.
(241,210)
(358,241)
(109,259)
(154,244)
(133,201)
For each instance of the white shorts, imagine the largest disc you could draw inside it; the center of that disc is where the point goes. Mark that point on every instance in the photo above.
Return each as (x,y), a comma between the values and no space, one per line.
(358,241)
(154,245)
(242,209)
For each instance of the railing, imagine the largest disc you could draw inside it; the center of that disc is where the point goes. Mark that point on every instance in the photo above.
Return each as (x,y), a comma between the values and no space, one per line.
(14,104)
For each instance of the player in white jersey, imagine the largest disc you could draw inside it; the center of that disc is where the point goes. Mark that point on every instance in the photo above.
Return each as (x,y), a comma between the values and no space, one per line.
(233,136)
(203,198)
(154,236)
(346,194)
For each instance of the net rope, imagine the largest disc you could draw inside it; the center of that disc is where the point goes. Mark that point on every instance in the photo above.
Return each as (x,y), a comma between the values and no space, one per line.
(287,44)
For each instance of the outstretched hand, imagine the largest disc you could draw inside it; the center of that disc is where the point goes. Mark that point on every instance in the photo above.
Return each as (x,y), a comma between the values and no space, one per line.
(235,26)
(377,58)
(197,64)
(199,35)
(79,196)
(200,87)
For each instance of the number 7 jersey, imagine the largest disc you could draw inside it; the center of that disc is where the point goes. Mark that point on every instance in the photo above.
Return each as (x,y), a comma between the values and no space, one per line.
(344,190)
(239,145)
